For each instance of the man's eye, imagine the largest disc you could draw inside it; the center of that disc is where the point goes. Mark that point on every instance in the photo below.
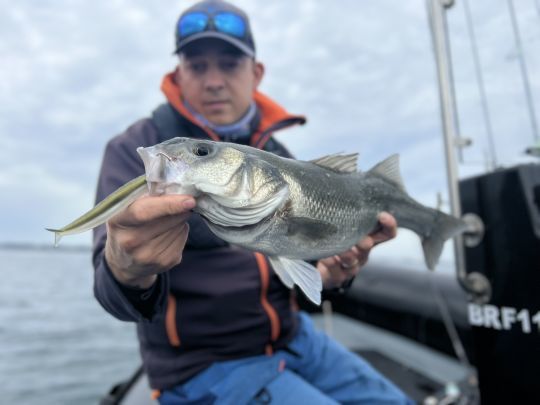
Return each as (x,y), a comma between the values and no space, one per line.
(228,65)
(198,67)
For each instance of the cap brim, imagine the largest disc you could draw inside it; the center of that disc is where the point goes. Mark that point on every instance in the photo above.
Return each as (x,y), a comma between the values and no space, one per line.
(218,35)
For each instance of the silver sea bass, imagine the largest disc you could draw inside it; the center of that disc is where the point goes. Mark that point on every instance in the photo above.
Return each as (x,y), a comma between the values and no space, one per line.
(290,210)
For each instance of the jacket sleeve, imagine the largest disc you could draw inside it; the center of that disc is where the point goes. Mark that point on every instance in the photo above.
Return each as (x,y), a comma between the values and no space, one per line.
(121,164)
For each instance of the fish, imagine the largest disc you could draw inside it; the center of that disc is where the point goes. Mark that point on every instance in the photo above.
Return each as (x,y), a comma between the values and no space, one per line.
(294,212)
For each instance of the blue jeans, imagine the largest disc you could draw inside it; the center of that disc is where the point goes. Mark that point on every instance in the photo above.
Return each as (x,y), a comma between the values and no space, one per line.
(316,370)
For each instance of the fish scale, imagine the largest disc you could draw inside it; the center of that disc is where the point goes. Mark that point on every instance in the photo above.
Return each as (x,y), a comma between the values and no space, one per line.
(338,207)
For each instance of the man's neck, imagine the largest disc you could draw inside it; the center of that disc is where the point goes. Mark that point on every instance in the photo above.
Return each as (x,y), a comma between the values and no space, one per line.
(239,131)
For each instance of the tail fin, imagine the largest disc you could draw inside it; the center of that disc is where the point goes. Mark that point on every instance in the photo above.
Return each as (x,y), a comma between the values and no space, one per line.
(444,227)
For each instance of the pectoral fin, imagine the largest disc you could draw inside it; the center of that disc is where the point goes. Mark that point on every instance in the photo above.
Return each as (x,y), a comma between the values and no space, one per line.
(309,228)
(301,273)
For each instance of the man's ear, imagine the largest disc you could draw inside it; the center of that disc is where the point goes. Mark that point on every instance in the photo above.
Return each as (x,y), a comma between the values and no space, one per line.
(258,71)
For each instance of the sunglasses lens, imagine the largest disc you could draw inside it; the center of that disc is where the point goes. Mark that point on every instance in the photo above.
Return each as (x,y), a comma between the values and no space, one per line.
(192,23)
(231,24)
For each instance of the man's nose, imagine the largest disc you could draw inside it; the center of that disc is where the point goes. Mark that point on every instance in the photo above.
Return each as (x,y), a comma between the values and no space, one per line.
(214,80)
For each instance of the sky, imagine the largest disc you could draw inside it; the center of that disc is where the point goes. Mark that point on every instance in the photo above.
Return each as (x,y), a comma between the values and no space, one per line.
(75,73)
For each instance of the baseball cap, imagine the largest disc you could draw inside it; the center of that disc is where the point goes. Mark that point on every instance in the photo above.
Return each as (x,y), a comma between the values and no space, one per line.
(215,19)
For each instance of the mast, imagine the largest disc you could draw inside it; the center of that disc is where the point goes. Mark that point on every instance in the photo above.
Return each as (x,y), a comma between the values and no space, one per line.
(523,68)
(474,283)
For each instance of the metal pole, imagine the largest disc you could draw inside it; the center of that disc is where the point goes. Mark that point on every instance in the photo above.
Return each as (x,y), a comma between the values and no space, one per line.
(477,284)
(524,72)
(458,142)
(481,88)
(447,105)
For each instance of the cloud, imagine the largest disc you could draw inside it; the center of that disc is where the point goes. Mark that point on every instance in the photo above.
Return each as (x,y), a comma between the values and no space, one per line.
(77,73)
(34,199)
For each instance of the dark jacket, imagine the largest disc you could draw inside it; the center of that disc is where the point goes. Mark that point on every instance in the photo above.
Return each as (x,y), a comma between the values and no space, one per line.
(221,302)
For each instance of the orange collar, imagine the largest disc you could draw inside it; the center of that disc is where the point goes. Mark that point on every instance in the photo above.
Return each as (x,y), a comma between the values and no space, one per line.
(272,114)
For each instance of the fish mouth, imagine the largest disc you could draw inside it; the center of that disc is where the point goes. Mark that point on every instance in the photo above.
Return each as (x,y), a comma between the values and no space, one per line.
(170,159)
(165,174)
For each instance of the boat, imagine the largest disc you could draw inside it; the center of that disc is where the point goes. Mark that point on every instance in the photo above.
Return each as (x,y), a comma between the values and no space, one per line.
(469,338)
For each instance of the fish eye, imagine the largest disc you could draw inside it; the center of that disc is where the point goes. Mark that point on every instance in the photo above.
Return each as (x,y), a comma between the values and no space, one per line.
(202,149)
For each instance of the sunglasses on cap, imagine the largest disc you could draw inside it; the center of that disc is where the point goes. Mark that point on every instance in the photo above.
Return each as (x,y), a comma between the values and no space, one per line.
(225,22)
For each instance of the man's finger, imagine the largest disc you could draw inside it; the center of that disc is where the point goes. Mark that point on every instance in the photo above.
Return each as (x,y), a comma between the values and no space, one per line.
(366,243)
(387,220)
(147,209)
(163,251)
(163,225)
(387,228)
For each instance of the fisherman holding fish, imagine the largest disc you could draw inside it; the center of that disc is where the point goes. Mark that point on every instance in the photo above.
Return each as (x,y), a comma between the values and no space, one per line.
(215,322)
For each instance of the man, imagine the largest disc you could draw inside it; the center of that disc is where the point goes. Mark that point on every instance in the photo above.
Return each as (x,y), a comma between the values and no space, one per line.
(214,321)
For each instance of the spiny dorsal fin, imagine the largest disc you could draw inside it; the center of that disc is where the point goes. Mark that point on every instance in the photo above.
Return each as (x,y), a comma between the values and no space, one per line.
(338,162)
(389,169)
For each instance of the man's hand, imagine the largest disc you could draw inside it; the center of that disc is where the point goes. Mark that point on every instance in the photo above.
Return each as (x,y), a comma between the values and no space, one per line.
(147,238)
(337,269)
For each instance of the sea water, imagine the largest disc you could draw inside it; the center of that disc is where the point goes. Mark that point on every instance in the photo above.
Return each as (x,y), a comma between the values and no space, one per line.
(57,345)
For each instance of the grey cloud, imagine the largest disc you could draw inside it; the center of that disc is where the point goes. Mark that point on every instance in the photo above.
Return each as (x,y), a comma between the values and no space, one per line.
(76,73)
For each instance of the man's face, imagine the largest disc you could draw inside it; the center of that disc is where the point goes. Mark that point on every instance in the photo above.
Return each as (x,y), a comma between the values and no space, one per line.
(217,80)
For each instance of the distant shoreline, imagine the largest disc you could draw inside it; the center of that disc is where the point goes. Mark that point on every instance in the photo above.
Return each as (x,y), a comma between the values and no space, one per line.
(43,247)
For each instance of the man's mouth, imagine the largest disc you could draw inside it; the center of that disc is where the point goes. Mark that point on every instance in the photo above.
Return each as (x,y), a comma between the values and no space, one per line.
(215,103)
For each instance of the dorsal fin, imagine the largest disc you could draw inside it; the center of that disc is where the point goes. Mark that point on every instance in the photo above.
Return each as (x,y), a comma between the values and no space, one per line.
(389,169)
(338,162)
